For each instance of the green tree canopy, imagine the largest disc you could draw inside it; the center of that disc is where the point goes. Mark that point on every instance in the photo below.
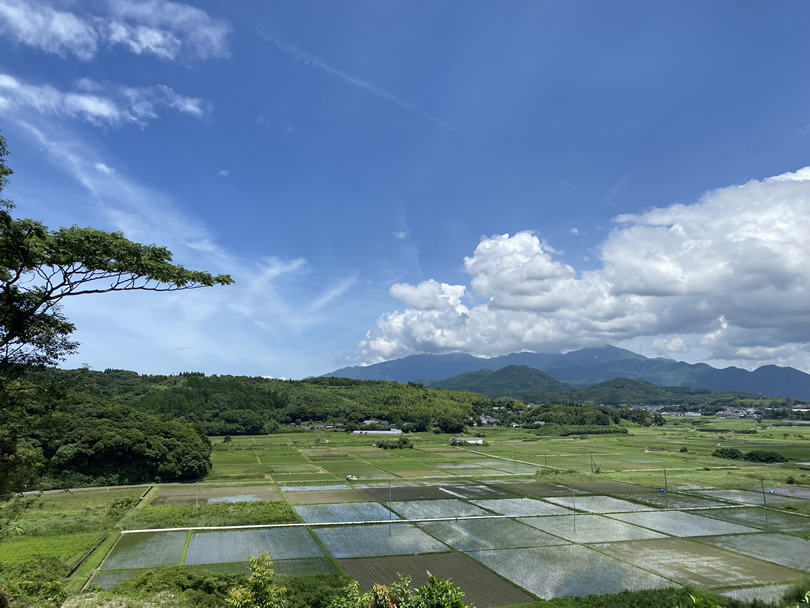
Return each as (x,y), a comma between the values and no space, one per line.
(40,267)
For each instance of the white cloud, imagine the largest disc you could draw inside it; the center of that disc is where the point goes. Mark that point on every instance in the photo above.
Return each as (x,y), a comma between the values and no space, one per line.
(726,278)
(401,235)
(168,30)
(574,231)
(253,323)
(95,102)
(224,172)
(430,295)
(187,105)
(38,25)
(670,345)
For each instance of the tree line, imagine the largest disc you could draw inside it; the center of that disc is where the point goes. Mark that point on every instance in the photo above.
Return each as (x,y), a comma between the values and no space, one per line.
(242,405)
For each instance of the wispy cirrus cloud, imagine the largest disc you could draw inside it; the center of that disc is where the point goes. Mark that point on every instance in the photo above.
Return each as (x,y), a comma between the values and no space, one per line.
(274,299)
(322,65)
(39,25)
(168,30)
(101,104)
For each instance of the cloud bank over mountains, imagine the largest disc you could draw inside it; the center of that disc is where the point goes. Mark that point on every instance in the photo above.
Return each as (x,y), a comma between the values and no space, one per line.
(726,279)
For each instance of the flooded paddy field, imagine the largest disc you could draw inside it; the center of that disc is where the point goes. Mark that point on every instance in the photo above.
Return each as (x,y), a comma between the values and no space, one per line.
(510,546)
(205,494)
(513,527)
(569,570)
(693,563)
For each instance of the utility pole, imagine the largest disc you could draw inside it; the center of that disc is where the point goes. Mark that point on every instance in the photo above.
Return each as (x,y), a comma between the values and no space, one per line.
(574,504)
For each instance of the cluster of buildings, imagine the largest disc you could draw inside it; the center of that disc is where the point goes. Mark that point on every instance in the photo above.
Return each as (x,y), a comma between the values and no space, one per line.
(376,427)
(730,412)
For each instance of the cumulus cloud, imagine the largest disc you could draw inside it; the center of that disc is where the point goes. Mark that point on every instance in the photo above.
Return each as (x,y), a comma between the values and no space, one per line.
(168,30)
(727,276)
(430,295)
(95,102)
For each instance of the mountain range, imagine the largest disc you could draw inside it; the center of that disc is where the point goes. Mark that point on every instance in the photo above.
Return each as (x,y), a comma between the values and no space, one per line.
(589,366)
(533,386)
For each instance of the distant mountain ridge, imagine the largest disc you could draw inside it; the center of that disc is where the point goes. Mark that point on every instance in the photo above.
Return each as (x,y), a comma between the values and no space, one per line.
(533,386)
(589,366)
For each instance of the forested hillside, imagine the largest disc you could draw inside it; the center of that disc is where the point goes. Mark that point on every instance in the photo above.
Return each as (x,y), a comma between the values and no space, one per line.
(510,381)
(65,438)
(240,405)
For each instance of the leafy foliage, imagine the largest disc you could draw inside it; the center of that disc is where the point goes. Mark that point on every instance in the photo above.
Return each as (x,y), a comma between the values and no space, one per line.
(395,444)
(436,593)
(62,438)
(117,443)
(764,456)
(194,587)
(40,267)
(314,591)
(260,590)
(730,453)
(34,583)
(752,456)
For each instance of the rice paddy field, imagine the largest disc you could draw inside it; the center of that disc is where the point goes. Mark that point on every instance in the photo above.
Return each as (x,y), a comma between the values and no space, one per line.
(520,519)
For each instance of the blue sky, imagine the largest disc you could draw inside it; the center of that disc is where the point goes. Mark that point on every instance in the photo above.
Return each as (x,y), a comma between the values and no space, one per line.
(388,178)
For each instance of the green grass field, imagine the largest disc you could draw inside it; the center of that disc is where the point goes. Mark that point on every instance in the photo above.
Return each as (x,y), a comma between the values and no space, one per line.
(642,454)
